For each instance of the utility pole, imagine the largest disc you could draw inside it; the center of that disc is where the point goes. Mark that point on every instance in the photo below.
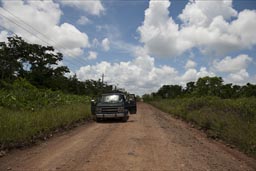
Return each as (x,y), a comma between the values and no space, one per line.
(102,79)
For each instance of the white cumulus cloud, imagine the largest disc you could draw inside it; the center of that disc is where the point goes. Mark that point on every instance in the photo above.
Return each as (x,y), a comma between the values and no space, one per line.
(92,55)
(190,64)
(240,77)
(201,13)
(93,7)
(192,75)
(105,44)
(229,64)
(140,75)
(213,27)
(40,23)
(159,33)
(83,20)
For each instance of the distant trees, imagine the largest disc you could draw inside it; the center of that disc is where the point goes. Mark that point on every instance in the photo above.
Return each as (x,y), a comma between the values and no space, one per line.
(205,86)
(169,91)
(39,65)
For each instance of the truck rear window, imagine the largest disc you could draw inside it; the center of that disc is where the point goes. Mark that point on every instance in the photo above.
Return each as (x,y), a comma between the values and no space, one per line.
(114,98)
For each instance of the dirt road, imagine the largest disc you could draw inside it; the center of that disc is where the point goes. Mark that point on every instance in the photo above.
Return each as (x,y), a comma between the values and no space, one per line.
(150,140)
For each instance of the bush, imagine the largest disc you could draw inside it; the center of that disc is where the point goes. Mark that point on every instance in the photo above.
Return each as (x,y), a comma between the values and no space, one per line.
(24,96)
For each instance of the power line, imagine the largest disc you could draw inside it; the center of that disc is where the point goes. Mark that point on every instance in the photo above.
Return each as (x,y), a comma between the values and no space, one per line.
(37,36)
(19,25)
(23,28)
(27,40)
(27,24)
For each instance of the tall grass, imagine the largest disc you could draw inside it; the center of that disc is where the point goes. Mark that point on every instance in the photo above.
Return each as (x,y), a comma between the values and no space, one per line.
(23,126)
(27,112)
(232,120)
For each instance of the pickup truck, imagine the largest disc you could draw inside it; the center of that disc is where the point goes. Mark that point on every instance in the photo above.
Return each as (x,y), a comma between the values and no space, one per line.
(113,105)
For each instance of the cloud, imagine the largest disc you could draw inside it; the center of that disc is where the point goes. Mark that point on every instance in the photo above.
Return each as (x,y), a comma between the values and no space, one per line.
(192,75)
(140,75)
(244,28)
(95,43)
(239,77)
(92,55)
(190,64)
(105,44)
(93,7)
(41,24)
(213,27)
(229,64)
(159,33)
(83,20)
(3,36)
(202,13)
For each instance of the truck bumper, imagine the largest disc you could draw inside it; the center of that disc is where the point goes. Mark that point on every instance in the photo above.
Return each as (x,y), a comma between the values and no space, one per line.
(114,115)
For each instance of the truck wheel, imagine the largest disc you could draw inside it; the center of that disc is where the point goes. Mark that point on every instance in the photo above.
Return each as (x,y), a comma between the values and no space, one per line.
(94,118)
(125,118)
(97,119)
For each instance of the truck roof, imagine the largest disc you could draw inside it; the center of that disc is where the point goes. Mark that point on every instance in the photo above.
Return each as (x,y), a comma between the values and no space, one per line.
(113,93)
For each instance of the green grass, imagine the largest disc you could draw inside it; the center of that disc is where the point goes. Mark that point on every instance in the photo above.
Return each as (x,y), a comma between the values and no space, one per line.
(24,126)
(232,120)
(27,112)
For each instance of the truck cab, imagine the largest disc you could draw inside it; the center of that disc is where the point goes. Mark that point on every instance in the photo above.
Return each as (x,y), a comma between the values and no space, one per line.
(113,105)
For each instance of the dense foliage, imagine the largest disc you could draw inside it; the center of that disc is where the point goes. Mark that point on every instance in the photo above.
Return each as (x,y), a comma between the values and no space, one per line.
(21,95)
(206,86)
(40,66)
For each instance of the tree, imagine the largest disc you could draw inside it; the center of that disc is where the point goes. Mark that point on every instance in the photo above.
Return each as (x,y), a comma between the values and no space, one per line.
(208,86)
(36,63)
(190,87)
(170,91)
(248,90)
(12,54)
(226,91)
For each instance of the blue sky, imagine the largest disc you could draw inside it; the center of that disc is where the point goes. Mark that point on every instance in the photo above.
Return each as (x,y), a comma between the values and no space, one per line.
(142,45)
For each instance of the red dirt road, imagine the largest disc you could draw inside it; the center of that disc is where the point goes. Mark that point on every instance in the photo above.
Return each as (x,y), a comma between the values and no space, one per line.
(150,140)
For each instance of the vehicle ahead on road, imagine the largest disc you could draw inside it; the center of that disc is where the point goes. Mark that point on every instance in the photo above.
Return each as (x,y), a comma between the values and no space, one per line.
(113,105)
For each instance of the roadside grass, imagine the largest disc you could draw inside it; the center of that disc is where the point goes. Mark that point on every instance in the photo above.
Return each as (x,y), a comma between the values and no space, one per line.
(23,127)
(231,120)
(28,113)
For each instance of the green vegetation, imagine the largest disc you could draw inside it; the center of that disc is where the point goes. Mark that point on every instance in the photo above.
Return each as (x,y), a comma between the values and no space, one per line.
(36,95)
(39,65)
(206,86)
(27,112)
(226,112)
(19,127)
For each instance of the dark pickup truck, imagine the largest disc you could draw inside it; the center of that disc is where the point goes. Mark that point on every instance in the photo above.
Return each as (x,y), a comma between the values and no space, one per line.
(113,105)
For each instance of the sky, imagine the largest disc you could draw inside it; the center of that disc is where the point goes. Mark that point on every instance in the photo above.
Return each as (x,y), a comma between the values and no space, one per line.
(140,45)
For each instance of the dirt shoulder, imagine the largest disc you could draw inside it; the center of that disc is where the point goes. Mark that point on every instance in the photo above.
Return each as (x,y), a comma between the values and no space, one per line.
(150,140)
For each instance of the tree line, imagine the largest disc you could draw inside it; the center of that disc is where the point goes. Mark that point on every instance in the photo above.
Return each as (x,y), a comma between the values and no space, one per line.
(205,86)
(39,65)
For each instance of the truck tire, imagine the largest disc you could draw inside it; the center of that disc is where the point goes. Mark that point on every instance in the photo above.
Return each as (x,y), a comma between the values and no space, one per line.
(125,118)
(98,119)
